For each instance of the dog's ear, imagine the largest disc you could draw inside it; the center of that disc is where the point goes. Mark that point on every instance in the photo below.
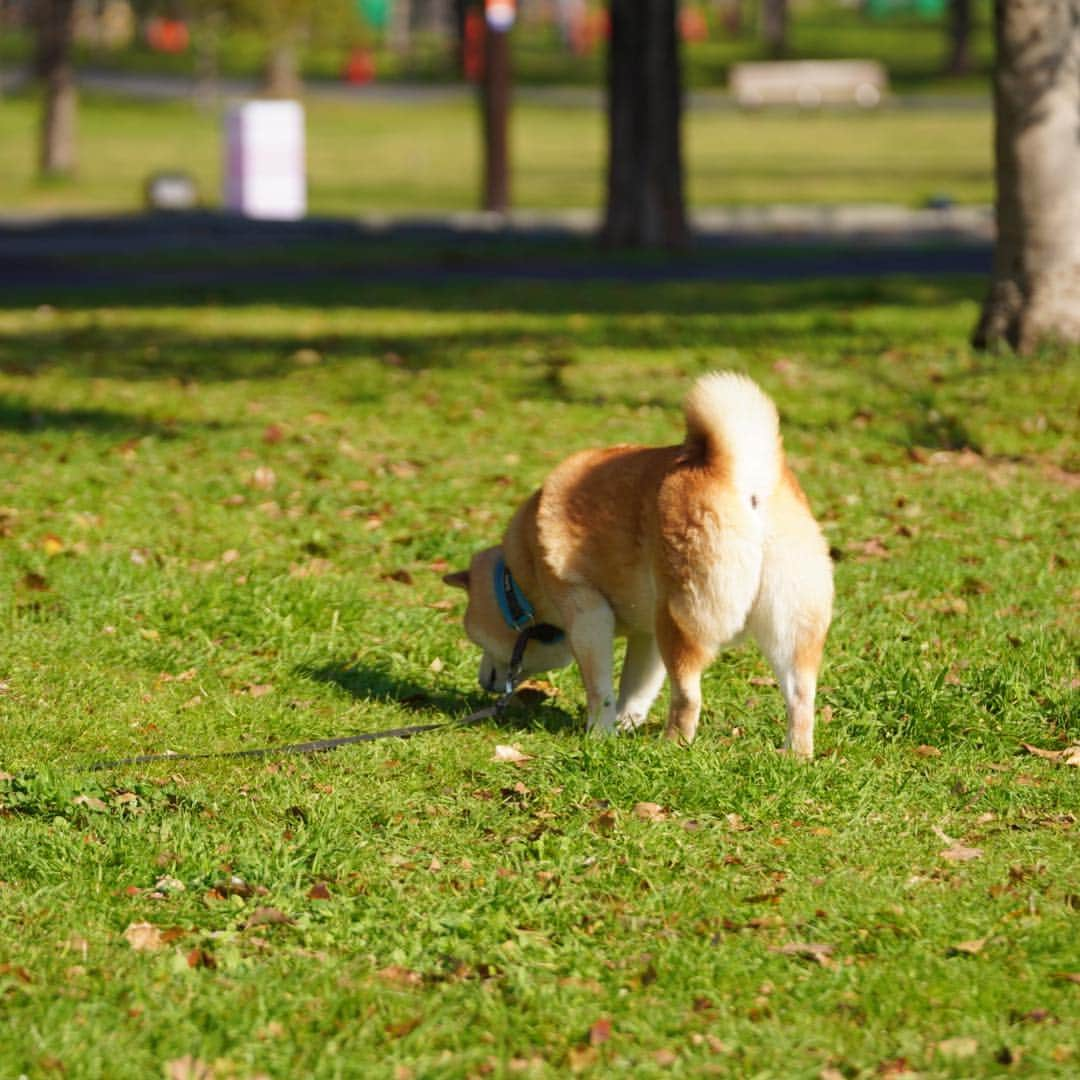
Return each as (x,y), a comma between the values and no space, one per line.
(459,579)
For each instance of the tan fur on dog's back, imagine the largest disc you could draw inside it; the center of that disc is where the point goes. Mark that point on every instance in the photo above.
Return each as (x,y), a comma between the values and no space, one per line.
(681,548)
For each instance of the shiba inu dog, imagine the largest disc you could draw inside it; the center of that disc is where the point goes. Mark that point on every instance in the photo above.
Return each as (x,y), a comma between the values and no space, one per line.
(682,549)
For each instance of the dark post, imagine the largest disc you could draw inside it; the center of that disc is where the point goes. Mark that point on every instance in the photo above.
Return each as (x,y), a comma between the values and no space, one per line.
(495,106)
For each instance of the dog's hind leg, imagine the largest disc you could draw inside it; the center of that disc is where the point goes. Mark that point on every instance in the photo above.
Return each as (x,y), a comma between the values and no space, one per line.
(685,659)
(642,677)
(791,629)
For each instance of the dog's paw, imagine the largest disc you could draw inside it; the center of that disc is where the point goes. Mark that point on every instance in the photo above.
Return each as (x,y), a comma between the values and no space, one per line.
(630,723)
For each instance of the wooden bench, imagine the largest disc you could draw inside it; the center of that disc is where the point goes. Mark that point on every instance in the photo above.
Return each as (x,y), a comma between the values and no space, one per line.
(809,83)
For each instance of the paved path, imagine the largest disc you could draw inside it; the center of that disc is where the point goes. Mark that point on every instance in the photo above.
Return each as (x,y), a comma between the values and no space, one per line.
(159,87)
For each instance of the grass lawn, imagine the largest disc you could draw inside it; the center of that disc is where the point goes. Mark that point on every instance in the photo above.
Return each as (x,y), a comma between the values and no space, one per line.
(223,524)
(414,157)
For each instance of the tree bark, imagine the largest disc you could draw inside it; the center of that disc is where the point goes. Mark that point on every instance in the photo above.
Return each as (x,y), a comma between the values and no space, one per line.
(1034,295)
(958,61)
(645,204)
(55,25)
(774,26)
(282,79)
(495,114)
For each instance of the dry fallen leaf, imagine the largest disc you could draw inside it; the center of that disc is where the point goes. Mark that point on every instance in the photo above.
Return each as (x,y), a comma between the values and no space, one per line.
(604,823)
(1070,755)
(956,852)
(89,801)
(400,976)
(144,937)
(188,1068)
(806,950)
(961,1047)
(600,1032)
(961,853)
(266,916)
(968,948)
(510,754)
(650,811)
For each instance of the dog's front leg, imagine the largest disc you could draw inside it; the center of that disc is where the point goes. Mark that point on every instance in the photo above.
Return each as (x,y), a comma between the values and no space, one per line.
(590,626)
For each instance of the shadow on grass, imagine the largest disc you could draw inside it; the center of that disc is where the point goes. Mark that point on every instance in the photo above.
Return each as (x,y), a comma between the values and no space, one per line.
(692,316)
(375,683)
(26,418)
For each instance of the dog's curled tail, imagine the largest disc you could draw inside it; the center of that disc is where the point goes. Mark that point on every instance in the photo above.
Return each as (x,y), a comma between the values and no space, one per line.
(732,428)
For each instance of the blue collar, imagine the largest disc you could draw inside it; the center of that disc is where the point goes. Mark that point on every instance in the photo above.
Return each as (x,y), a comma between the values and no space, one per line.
(513,603)
(517,611)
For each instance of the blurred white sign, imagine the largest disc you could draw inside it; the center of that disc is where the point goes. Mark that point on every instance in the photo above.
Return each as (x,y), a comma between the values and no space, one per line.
(265,174)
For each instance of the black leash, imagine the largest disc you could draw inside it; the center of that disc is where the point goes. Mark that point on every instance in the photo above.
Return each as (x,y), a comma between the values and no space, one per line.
(319,746)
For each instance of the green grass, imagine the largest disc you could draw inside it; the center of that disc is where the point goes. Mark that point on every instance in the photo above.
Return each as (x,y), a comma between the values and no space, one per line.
(423,157)
(223,526)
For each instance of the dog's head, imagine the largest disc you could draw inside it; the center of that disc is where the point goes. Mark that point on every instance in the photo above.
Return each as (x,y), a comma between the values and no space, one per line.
(486,626)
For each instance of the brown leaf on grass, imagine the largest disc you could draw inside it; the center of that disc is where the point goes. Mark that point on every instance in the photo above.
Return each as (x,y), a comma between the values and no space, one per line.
(816,951)
(34,582)
(1067,976)
(397,975)
(144,937)
(510,755)
(188,1068)
(267,916)
(91,802)
(604,823)
(402,576)
(257,690)
(665,1057)
(956,852)
(1070,755)
(600,1031)
(650,811)
(962,1046)
(968,948)
(581,1058)
(927,751)
(961,853)
(874,548)
(263,478)
(404,1027)
(201,958)
(319,891)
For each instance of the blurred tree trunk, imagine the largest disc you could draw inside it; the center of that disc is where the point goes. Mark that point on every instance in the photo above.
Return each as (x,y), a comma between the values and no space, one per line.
(399,32)
(960,25)
(1034,293)
(282,76)
(645,175)
(774,26)
(54,22)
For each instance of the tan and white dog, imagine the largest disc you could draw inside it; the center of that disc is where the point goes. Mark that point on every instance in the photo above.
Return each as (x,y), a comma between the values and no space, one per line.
(682,549)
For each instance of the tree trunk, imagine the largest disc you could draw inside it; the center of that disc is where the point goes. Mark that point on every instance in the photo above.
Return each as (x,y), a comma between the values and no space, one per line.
(495,111)
(774,26)
(399,32)
(282,78)
(959,58)
(1034,295)
(55,24)
(645,176)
